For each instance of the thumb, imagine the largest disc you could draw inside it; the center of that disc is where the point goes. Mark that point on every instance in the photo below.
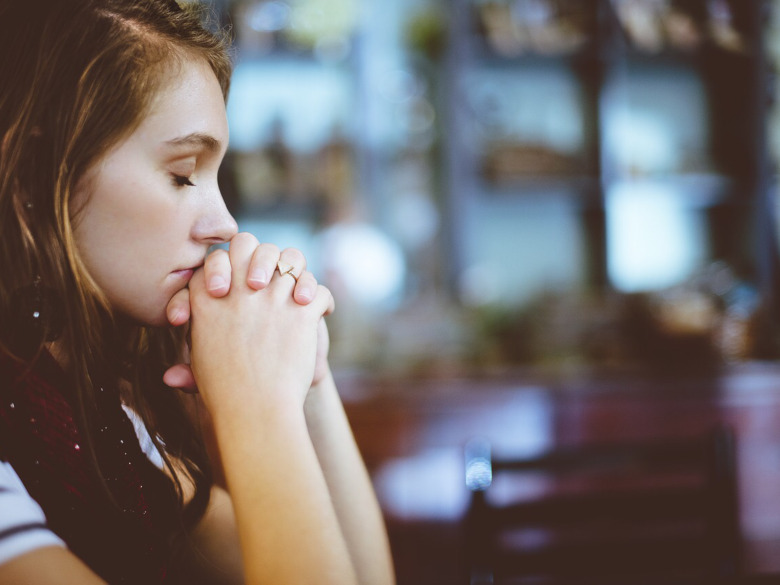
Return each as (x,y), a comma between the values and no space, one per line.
(180,376)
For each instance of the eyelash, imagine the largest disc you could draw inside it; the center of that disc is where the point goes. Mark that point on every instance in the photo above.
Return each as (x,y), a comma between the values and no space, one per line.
(182,181)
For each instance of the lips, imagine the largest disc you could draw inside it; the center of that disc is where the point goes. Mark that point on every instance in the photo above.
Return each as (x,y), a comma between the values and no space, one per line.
(191,268)
(185,273)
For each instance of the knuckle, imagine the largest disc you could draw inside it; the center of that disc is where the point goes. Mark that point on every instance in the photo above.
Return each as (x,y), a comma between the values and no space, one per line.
(269,250)
(242,239)
(324,292)
(294,254)
(197,283)
(223,262)
(308,278)
(217,257)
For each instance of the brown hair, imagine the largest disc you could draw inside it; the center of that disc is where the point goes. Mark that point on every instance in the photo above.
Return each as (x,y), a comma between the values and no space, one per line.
(77,76)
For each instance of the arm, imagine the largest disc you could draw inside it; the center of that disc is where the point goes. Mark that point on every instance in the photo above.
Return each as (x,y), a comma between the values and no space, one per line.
(287,525)
(215,552)
(253,355)
(349,484)
(217,549)
(44,566)
(350,489)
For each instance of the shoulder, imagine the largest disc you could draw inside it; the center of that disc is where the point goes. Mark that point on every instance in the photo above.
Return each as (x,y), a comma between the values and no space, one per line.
(22,522)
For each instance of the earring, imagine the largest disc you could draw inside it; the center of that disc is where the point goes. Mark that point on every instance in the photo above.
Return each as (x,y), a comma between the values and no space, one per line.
(36,316)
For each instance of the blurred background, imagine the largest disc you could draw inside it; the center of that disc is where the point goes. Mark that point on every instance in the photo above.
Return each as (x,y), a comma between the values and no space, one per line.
(545,222)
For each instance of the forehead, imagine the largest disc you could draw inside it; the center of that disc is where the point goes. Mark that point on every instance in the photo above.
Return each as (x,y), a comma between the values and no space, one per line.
(189,102)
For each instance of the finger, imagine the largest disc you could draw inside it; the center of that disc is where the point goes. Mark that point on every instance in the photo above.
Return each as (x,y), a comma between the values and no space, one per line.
(331,303)
(178,309)
(262,266)
(324,300)
(292,262)
(242,248)
(323,343)
(217,269)
(305,288)
(180,376)
(197,282)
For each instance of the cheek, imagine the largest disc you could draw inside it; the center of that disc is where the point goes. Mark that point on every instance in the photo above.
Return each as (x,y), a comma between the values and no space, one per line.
(120,246)
(129,216)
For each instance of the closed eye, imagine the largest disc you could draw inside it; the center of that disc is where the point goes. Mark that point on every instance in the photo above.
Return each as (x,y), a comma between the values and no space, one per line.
(182,181)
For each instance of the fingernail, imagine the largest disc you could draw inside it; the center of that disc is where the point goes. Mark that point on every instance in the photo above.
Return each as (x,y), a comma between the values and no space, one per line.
(176,317)
(258,277)
(216,283)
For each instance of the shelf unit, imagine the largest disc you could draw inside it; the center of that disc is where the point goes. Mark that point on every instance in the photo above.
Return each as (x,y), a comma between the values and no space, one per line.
(604,119)
(584,169)
(294,110)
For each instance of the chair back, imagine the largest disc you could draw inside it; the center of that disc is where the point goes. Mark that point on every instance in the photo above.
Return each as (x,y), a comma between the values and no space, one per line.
(633,513)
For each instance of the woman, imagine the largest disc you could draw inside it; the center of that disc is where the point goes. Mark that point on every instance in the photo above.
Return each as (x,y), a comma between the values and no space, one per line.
(112,128)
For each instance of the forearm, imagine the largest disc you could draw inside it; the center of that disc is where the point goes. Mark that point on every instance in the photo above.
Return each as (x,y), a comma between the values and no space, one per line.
(254,354)
(287,526)
(349,484)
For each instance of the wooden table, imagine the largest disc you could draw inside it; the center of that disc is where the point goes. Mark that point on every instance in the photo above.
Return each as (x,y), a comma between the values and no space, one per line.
(412,433)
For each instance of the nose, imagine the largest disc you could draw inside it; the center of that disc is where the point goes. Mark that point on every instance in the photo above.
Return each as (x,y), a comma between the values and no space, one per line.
(214,224)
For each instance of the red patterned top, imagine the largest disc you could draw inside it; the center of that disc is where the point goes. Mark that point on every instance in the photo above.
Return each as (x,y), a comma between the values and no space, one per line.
(126,540)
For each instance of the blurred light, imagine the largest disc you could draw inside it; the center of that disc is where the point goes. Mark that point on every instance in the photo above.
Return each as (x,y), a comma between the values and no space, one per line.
(657,123)
(400,85)
(420,115)
(479,474)
(262,93)
(642,142)
(653,241)
(332,49)
(366,262)
(416,219)
(478,286)
(269,16)
(532,12)
(306,18)
(312,20)
(531,106)
(426,485)
(479,468)
(285,234)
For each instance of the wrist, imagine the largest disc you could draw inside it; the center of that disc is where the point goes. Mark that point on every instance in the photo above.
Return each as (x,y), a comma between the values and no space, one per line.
(322,379)
(320,396)
(252,406)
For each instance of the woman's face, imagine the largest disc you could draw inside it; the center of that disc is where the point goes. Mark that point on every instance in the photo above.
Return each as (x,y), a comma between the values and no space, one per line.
(147,212)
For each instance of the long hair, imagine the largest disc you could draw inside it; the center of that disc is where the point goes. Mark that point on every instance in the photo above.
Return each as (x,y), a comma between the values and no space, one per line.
(76,77)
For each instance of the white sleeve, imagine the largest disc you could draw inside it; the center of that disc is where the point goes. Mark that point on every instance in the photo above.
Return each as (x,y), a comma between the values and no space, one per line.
(147,445)
(22,522)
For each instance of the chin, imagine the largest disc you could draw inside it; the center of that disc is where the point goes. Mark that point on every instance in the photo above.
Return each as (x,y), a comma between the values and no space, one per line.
(162,322)
(149,319)
(153,313)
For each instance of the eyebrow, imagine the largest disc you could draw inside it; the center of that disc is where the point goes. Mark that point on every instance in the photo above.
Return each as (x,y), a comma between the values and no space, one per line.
(196,139)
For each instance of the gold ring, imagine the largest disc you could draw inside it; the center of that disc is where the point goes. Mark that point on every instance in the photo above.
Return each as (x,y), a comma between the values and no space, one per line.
(287,269)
